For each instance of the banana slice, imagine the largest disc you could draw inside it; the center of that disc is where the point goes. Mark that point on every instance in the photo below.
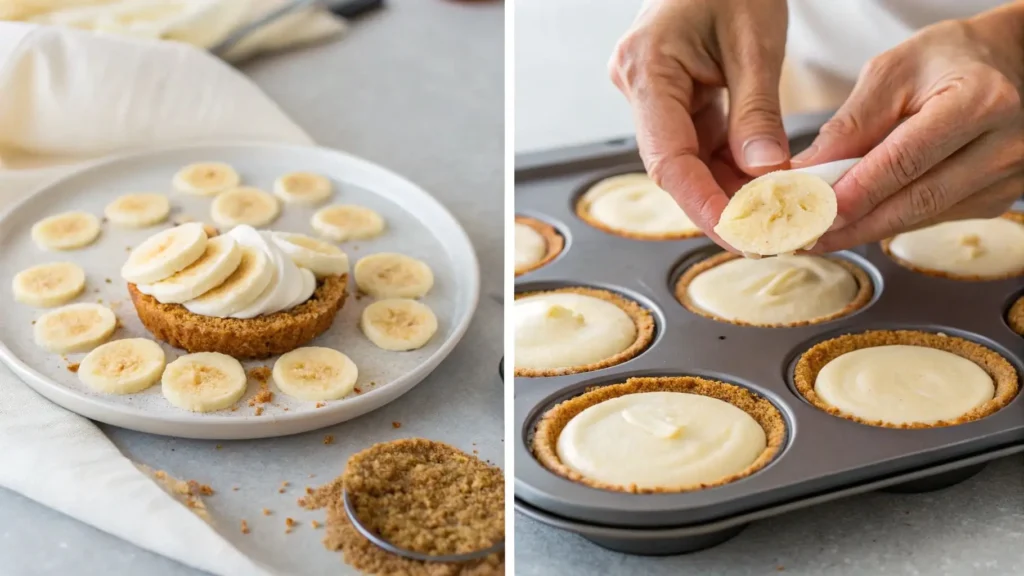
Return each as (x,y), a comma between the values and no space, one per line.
(138,210)
(303,188)
(390,275)
(48,285)
(347,222)
(321,258)
(204,382)
(315,374)
(206,178)
(66,231)
(165,253)
(254,273)
(220,260)
(250,206)
(123,366)
(398,324)
(74,328)
(778,213)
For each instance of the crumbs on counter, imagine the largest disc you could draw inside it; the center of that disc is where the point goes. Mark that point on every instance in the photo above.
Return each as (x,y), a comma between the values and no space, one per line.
(301,502)
(309,490)
(245,527)
(396,425)
(289,522)
(203,489)
(329,439)
(314,524)
(266,512)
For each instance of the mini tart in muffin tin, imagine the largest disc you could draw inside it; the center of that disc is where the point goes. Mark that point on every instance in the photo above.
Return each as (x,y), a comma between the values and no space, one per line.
(613,317)
(964,249)
(633,206)
(783,282)
(536,243)
(1015,316)
(925,379)
(259,337)
(684,420)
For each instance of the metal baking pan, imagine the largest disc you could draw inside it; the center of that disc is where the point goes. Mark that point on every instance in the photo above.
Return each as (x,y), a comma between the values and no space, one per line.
(824,457)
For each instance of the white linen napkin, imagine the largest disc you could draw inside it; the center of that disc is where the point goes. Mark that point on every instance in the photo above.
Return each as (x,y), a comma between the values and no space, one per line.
(67,96)
(202,23)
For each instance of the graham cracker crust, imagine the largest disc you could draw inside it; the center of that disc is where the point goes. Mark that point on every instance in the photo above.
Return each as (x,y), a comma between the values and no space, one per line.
(1017,217)
(259,337)
(545,438)
(815,358)
(1015,317)
(552,239)
(583,212)
(642,319)
(865,290)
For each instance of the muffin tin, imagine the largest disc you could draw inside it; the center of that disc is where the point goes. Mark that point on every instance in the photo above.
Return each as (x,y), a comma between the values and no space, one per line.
(824,457)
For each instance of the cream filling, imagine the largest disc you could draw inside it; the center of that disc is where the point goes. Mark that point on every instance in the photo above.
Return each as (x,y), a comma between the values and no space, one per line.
(562,329)
(975,247)
(634,203)
(904,384)
(661,439)
(773,290)
(530,246)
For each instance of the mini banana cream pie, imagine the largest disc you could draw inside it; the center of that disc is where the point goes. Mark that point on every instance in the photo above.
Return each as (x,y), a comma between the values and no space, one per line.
(572,330)
(1015,317)
(976,249)
(633,206)
(668,434)
(905,379)
(774,292)
(537,243)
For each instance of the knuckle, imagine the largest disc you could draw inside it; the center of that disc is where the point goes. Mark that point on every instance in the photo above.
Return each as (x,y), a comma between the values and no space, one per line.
(657,169)
(1001,97)
(924,201)
(760,106)
(880,67)
(840,126)
(903,166)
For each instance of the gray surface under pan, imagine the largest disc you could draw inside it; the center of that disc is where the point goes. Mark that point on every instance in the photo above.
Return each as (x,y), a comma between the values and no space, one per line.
(824,457)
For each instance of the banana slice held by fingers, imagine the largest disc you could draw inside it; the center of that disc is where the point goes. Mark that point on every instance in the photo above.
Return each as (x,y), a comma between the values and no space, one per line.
(303,188)
(315,374)
(398,324)
(206,178)
(165,253)
(220,259)
(138,210)
(347,222)
(391,275)
(255,271)
(778,213)
(74,328)
(321,258)
(203,382)
(48,285)
(66,231)
(249,206)
(123,366)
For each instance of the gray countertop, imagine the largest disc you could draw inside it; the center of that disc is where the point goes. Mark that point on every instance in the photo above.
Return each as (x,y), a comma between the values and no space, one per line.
(418,88)
(563,97)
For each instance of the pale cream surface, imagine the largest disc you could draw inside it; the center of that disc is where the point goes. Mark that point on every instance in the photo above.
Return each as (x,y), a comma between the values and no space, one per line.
(976,247)
(773,290)
(661,439)
(634,203)
(530,246)
(562,330)
(904,384)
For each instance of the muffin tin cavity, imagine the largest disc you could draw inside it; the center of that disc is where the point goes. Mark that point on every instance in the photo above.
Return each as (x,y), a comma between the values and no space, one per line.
(823,457)
(582,203)
(555,237)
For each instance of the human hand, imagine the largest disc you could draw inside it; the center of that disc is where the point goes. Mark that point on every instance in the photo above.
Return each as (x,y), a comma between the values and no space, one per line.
(673,66)
(940,124)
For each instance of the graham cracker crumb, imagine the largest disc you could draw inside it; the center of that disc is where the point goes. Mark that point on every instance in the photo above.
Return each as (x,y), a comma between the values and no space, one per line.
(245,527)
(396,424)
(107,280)
(301,502)
(287,530)
(314,524)
(259,411)
(289,522)
(234,488)
(266,512)
(260,374)
(397,489)
(285,484)
(280,490)
(312,476)
(357,390)
(321,404)
(309,490)
(234,408)
(203,489)
(329,439)
(73,367)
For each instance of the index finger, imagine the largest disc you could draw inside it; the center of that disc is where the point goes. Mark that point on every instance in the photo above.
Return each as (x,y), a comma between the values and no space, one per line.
(670,150)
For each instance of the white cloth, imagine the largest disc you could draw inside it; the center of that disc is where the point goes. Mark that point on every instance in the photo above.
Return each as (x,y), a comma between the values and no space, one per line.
(841,37)
(202,23)
(72,94)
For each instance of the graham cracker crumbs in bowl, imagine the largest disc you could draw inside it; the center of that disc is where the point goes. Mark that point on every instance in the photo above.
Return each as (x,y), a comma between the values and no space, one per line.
(419,495)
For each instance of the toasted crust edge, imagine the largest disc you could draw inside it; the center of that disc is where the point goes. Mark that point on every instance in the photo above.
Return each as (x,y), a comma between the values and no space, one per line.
(553,240)
(994,364)
(549,428)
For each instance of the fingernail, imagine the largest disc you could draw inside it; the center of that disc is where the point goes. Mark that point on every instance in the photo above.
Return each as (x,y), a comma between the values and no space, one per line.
(806,155)
(763,152)
(837,224)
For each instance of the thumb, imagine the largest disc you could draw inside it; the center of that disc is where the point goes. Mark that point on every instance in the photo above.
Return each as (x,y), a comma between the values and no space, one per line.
(757,139)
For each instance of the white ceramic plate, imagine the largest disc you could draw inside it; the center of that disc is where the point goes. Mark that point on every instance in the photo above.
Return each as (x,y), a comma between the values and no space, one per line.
(417,225)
